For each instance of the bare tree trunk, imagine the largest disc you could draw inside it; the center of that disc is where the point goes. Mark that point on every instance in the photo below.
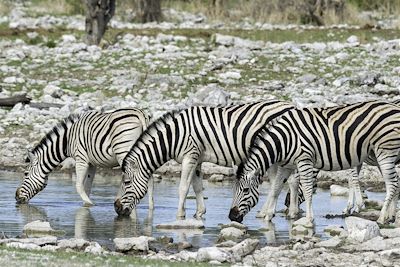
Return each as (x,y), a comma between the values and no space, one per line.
(149,10)
(98,14)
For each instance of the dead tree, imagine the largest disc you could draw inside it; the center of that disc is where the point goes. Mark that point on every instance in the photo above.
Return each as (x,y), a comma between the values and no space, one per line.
(149,10)
(98,14)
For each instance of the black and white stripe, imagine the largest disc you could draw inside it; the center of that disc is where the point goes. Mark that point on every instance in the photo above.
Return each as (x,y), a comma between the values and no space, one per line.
(330,139)
(221,135)
(92,139)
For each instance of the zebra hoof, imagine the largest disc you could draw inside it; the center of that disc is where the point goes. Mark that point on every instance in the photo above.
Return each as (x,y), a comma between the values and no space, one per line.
(88,204)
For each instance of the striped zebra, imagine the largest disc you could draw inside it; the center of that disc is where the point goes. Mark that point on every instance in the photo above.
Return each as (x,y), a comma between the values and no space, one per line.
(221,135)
(355,200)
(330,139)
(92,139)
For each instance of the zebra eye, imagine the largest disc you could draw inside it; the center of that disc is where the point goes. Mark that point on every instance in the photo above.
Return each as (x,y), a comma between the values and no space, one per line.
(26,173)
(246,190)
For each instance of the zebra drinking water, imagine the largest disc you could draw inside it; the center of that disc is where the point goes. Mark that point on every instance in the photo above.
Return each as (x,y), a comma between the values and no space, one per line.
(92,139)
(329,139)
(220,135)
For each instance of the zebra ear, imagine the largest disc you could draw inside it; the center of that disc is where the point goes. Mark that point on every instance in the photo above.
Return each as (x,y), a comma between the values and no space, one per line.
(30,157)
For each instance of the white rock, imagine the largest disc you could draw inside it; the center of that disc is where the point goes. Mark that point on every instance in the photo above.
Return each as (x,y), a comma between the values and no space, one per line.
(390,233)
(73,243)
(388,257)
(225,40)
(230,75)
(68,38)
(210,95)
(360,229)
(303,222)
(94,248)
(185,255)
(182,224)
(28,246)
(337,190)
(235,225)
(38,226)
(352,39)
(140,243)
(232,233)
(213,254)
(244,248)
(330,243)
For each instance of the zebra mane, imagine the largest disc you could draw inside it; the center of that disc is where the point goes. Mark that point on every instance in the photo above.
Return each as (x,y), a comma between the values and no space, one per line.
(60,125)
(171,115)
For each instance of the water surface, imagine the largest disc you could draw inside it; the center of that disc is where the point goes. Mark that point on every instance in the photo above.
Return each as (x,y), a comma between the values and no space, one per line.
(59,204)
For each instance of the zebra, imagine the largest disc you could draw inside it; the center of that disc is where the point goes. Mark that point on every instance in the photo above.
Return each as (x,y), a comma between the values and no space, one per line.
(92,139)
(221,135)
(335,138)
(355,198)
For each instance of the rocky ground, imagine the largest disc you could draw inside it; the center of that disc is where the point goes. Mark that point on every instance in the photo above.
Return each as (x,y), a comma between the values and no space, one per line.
(161,67)
(159,70)
(362,243)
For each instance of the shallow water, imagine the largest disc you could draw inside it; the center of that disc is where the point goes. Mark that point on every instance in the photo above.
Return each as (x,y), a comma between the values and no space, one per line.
(59,204)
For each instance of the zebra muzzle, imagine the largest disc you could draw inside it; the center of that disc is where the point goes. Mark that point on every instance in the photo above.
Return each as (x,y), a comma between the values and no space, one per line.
(234,215)
(20,199)
(119,208)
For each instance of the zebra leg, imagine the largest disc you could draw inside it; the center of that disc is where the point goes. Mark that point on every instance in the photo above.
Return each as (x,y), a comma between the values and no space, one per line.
(294,188)
(305,169)
(357,191)
(272,173)
(82,169)
(276,188)
(388,170)
(189,165)
(89,179)
(393,203)
(150,191)
(198,190)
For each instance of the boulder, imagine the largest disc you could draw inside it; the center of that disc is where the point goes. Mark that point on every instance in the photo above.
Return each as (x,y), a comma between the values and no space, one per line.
(140,243)
(337,190)
(182,224)
(73,243)
(361,230)
(244,248)
(231,233)
(213,254)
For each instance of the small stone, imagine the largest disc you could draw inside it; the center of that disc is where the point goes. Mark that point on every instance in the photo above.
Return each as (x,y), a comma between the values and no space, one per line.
(73,243)
(40,228)
(352,39)
(140,243)
(234,224)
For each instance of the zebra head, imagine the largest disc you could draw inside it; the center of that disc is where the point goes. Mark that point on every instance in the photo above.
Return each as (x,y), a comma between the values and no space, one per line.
(246,192)
(133,187)
(34,181)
